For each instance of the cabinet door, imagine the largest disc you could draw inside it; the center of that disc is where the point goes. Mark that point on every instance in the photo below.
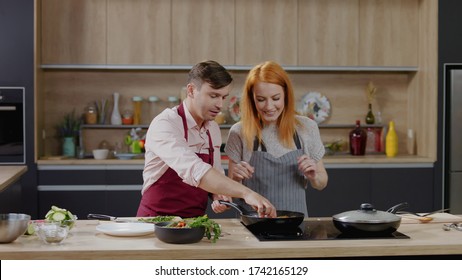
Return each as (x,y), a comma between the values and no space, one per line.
(202,30)
(345,191)
(328,32)
(266,30)
(80,203)
(388,32)
(73,32)
(391,186)
(138,32)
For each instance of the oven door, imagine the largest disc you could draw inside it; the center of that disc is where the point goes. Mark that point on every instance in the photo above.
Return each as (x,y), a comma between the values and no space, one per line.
(12,126)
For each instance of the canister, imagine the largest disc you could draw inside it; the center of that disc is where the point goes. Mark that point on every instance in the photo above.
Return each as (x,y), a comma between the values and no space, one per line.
(137,102)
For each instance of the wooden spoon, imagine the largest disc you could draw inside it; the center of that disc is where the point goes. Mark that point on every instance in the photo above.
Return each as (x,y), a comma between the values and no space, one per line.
(420,219)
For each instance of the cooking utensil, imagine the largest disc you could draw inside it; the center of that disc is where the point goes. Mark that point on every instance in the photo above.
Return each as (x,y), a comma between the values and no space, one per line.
(251,219)
(178,235)
(12,226)
(369,221)
(109,218)
(423,215)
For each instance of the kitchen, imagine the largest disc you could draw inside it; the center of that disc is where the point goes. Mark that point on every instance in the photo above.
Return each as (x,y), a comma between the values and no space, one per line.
(408,80)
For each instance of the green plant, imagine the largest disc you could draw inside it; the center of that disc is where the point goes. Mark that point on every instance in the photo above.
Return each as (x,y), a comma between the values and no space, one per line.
(70,126)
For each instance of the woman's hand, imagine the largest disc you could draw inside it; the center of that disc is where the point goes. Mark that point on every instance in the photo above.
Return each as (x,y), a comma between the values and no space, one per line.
(217,207)
(307,166)
(313,171)
(240,171)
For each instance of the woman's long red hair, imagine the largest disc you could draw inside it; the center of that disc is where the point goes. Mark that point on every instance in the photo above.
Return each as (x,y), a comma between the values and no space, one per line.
(269,72)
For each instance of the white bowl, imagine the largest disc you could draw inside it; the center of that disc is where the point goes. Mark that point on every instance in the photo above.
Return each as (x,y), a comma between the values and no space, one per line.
(100,153)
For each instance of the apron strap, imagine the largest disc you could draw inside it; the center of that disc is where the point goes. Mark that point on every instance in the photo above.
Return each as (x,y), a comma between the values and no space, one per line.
(185,127)
(257,143)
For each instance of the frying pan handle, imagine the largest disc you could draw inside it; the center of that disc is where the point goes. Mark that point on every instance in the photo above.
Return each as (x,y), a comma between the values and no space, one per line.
(100,217)
(238,207)
(398,207)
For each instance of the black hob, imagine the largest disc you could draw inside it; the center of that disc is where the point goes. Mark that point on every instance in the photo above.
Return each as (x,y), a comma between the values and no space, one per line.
(317,229)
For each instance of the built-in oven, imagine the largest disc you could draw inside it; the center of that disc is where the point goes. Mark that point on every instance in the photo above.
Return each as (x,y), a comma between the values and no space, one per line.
(12,125)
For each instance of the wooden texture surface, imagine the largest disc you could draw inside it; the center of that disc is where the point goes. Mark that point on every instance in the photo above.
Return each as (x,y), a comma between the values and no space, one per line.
(237,242)
(138,32)
(10,174)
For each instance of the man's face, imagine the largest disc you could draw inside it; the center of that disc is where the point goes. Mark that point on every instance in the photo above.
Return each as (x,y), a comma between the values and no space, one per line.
(206,102)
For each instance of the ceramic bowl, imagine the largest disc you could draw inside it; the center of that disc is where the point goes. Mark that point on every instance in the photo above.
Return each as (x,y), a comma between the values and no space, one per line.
(100,153)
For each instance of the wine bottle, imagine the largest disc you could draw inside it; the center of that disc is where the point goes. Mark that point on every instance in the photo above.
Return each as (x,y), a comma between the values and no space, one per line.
(391,141)
(358,140)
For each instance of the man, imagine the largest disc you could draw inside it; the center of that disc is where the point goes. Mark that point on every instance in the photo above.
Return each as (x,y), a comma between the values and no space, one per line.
(182,159)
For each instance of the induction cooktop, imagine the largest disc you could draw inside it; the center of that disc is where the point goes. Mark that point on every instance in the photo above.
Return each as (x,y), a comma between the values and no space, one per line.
(316,229)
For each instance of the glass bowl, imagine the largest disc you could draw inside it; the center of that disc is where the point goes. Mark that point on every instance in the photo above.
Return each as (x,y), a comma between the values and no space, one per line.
(51,232)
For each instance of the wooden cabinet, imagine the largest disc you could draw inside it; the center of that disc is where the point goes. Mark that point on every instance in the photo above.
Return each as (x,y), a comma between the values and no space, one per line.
(202,30)
(73,32)
(139,32)
(328,32)
(266,30)
(388,32)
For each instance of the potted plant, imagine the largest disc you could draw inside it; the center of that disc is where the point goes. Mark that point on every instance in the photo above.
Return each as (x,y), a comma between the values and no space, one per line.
(69,130)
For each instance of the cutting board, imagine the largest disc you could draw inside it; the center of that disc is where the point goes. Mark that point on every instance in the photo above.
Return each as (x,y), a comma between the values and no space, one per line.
(437,218)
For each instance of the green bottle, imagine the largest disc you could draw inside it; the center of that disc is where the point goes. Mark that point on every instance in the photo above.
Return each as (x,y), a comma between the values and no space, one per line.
(370,119)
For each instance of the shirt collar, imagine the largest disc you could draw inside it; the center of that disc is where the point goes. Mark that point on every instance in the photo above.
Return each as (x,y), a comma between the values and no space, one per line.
(190,120)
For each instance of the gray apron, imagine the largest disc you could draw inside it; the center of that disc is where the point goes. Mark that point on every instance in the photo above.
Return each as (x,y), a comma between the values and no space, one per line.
(278,179)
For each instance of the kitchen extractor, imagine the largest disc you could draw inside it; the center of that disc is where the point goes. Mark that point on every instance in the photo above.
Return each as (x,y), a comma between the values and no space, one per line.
(12,126)
(453,138)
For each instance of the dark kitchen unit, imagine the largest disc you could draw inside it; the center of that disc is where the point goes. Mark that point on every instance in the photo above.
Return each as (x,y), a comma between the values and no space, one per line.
(453,137)
(12,125)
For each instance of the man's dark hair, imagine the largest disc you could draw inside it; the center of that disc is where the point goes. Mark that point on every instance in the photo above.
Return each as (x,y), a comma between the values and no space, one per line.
(211,72)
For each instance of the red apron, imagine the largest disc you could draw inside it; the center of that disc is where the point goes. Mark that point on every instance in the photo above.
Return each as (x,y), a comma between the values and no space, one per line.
(170,196)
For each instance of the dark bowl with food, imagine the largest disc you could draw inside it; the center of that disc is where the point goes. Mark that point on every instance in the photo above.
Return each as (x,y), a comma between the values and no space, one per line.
(178,235)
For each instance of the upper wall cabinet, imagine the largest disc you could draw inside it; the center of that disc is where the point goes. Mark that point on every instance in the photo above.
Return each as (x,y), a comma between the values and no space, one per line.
(328,32)
(202,29)
(138,32)
(73,32)
(266,30)
(389,32)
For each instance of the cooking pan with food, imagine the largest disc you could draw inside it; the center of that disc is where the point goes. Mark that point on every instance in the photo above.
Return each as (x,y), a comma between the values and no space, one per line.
(284,219)
(369,221)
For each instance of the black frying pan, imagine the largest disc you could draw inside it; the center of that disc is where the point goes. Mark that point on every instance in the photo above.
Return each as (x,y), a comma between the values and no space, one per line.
(284,219)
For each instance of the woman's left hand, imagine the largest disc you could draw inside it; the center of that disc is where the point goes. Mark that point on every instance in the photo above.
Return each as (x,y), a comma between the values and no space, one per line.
(217,207)
(307,166)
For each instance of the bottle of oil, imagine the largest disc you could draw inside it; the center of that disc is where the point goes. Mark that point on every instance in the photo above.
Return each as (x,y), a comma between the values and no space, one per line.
(391,141)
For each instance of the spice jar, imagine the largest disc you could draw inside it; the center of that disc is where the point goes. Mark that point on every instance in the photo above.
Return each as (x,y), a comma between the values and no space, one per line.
(153,106)
(90,115)
(137,109)
(127,117)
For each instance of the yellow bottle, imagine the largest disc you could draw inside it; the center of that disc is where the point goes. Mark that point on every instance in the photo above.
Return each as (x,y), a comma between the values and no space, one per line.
(391,141)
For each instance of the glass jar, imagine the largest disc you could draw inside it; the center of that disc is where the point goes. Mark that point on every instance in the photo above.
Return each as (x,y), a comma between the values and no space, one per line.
(153,106)
(173,101)
(127,117)
(137,103)
(91,116)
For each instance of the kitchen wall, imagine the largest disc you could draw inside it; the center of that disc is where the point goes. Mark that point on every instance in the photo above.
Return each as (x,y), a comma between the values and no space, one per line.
(69,90)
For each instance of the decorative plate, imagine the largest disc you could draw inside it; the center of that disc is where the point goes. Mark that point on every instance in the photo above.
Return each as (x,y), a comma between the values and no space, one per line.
(233,108)
(315,106)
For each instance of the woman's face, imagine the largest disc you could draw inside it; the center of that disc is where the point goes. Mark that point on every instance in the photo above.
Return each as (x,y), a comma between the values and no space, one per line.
(269,100)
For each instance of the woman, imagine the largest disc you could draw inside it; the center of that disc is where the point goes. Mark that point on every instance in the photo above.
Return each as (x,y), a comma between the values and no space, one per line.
(273,150)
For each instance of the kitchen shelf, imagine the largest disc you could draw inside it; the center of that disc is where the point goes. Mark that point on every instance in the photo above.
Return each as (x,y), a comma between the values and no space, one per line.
(340,126)
(111,126)
(166,67)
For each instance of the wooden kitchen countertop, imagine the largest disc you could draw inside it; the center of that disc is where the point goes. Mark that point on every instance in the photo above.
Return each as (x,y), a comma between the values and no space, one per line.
(10,174)
(236,243)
